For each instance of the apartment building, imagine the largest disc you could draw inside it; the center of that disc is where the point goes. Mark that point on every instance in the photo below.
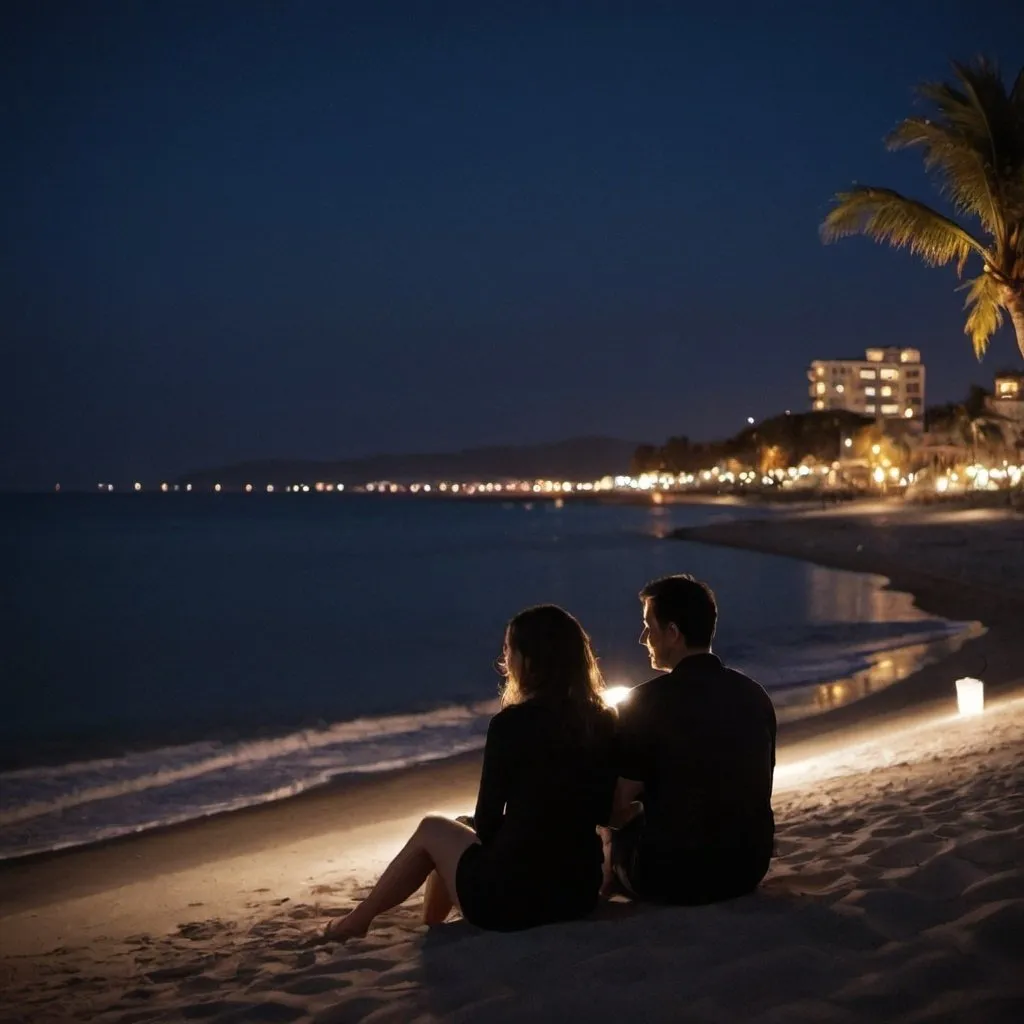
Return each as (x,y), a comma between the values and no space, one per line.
(1006,406)
(888,383)
(1008,386)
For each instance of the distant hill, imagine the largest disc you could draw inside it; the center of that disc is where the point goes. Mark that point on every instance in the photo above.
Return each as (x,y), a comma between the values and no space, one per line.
(579,458)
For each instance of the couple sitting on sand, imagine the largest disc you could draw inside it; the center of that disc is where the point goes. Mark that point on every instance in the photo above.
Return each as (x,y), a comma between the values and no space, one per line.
(669,799)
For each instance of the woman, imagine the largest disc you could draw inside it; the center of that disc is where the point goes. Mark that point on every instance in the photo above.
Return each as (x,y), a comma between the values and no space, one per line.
(534,855)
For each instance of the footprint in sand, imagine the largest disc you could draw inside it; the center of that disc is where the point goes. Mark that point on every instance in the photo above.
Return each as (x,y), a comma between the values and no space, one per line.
(196,930)
(177,972)
(316,985)
(200,984)
(1007,885)
(987,848)
(999,926)
(264,1013)
(910,853)
(802,883)
(349,1010)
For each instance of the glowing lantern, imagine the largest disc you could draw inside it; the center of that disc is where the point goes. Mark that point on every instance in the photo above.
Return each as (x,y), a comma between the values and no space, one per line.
(615,695)
(970,696)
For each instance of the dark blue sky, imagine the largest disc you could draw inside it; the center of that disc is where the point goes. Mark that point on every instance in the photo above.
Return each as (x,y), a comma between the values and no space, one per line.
(235,230)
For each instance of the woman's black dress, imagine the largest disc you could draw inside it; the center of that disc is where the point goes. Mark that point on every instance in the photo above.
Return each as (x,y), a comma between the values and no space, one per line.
(547,782)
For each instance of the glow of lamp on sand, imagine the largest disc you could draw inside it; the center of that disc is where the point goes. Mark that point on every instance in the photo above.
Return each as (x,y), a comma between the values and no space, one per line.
(970,696)
(615,695)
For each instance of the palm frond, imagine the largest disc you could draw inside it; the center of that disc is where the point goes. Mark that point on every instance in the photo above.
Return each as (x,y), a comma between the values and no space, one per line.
(961,166)
(1017,93)
(886,216)
(985,311)
(974,142)
(1003,140)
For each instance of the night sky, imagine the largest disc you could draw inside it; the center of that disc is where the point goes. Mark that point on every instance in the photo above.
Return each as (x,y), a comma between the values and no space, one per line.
(245,230)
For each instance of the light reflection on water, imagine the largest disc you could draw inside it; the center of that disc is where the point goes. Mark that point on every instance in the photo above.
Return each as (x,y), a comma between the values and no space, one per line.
(840,596)
(887,667)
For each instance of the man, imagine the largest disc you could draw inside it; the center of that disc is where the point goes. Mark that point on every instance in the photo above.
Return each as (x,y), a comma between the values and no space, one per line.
(696,760)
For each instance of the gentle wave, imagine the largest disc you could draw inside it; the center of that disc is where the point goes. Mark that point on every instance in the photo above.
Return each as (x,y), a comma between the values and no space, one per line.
(49,808)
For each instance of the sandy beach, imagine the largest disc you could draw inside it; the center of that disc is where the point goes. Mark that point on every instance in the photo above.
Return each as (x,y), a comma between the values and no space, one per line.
(897,893)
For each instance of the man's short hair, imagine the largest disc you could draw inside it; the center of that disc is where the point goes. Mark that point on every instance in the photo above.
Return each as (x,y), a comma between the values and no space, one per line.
(686,602)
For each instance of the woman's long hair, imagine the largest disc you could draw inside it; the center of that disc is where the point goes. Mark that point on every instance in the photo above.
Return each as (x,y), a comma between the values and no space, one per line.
(557,661)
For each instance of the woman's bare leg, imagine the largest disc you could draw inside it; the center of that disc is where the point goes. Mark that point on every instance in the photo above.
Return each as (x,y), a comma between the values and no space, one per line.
(437,843)
(606,865)
(437,904)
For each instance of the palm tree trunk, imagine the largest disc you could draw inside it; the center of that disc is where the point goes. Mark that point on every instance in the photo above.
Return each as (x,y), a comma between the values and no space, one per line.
(1015,307)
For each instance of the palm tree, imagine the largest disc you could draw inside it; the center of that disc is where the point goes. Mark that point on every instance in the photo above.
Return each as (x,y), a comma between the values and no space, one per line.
(971,431)
(974,146)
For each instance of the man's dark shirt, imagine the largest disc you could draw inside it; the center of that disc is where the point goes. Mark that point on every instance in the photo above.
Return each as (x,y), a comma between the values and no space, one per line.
(701,739)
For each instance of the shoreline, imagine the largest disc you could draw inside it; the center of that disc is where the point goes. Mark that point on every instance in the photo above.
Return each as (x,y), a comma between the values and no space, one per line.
(881,695)
(868,540)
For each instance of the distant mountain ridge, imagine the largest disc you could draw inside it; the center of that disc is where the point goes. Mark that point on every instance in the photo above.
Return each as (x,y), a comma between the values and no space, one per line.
(578,458)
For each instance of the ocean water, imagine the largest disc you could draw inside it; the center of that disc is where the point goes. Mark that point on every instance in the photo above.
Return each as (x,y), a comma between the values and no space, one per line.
(172,656)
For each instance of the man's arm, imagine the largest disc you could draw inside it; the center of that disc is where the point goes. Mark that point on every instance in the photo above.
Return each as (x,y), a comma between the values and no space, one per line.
(631,762)
(625,803)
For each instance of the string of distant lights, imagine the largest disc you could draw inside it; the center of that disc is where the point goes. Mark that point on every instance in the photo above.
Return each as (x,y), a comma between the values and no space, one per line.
(811,476)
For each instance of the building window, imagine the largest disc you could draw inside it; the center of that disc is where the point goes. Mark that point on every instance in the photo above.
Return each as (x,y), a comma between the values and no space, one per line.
(913,374)
(886,391)
(913,389)
(820,387)
(840,389)
(875,355)
(870,392)
(867,374)
(890,410)
(819,405)
(890,374)
(869,408)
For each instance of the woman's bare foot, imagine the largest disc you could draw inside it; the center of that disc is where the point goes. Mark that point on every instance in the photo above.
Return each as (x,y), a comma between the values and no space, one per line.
(352,926)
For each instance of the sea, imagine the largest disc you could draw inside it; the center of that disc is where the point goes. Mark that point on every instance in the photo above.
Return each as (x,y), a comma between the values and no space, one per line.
(171,656)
